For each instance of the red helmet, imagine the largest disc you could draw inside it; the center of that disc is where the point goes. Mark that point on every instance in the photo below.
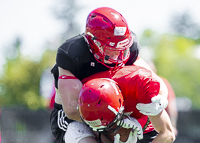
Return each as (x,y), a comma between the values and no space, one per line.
(108,36)
(101,104)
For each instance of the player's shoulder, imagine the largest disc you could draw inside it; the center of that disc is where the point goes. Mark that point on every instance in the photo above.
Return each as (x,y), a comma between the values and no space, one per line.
(147,74)
(135,70)
(74,46)
(138,73)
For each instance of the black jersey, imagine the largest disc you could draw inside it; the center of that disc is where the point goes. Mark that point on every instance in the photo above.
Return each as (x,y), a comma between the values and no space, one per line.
(74,55)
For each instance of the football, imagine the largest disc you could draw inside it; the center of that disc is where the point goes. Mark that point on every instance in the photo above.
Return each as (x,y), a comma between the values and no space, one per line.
(124,134)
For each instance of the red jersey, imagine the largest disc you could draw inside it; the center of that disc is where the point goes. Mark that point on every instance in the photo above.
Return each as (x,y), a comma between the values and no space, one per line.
(138,85)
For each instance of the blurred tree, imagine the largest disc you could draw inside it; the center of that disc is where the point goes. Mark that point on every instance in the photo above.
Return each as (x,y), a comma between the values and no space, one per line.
(19,84)
(175,60)
(184,24)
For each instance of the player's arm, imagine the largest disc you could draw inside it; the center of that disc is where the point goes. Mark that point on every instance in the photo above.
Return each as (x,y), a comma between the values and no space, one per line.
(153,103)
(173,114)
(162,124)
(69,89)
(159,118)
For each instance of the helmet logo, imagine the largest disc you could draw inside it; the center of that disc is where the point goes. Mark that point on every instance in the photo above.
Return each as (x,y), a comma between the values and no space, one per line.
(119,31)
(111,43)
(123,43)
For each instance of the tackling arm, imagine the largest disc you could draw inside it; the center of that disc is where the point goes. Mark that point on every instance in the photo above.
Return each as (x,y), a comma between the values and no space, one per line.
(69,90)
(162,124)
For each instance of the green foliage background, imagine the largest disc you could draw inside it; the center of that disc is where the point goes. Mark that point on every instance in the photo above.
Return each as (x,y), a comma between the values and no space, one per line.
(174,59)
(20,83)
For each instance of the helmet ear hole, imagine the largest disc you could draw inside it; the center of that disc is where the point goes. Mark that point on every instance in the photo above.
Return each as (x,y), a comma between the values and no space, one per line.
(99,102)
(93,16)
(105,20)
(120,102)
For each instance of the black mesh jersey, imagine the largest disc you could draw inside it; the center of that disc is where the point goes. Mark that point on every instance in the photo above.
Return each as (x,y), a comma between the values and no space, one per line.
(74,55)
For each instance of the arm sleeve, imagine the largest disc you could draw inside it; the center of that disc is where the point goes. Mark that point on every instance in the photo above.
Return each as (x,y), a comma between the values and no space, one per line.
(148,87)
(64,61)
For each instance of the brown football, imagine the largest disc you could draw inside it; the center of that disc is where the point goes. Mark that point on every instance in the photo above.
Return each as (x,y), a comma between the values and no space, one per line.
(124,134)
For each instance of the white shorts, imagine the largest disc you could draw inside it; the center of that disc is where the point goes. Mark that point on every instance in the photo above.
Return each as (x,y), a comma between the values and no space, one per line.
(77,131)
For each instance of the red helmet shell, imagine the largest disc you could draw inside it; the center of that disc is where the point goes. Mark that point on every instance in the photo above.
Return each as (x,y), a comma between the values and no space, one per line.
(99,102)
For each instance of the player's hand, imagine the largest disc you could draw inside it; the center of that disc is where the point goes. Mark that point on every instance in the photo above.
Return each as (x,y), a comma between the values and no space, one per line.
(131,122)
(132,138)
(159,103)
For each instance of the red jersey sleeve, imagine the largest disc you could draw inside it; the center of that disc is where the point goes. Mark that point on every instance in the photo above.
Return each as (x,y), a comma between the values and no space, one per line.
(148,86)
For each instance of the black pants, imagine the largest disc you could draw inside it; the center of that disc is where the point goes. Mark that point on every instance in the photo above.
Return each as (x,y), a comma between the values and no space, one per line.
(58,128)
(148,137)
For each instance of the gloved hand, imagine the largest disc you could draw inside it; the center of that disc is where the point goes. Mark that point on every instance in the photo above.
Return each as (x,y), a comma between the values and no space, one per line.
(131,122)
(159,103)
(131,139)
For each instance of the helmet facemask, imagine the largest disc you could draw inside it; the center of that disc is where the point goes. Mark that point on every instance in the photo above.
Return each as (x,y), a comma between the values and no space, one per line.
(115,56)
(112,127)
(112,56)
(116,123)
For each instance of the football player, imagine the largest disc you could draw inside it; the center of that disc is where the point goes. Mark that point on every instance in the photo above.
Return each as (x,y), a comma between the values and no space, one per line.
(131,92)
(107,44)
